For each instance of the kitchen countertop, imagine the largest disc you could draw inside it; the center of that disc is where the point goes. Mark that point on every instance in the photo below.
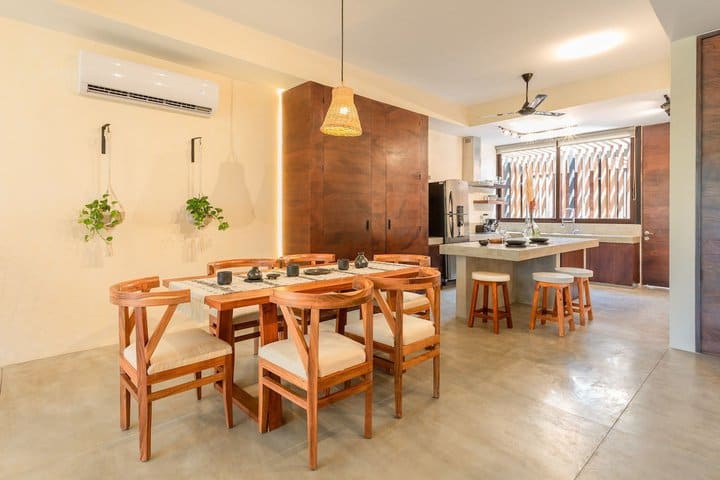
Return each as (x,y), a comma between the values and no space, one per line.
(435,240)
(605,238)
(501,252)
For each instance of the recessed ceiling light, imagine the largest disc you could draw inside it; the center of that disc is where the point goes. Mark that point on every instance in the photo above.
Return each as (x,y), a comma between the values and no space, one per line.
(589,45)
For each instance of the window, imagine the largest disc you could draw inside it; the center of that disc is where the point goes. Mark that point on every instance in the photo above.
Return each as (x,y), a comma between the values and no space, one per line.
(595,177)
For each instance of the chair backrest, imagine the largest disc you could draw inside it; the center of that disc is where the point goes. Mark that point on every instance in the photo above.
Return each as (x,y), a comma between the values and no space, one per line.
(308,258)
(138,295)
(213,267)
(405,258)
(426,279)
(361,295)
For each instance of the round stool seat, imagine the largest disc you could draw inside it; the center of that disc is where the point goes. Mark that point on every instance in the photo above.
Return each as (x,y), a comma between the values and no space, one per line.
(490,277)
(553,277)
(575,272)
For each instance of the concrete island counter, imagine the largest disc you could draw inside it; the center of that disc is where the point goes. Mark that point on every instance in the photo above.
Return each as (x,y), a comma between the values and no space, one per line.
(520,263)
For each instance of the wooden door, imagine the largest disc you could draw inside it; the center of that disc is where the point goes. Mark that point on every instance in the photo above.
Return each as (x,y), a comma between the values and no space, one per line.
(406,182)
(709,194)
(655,205)
(347,190)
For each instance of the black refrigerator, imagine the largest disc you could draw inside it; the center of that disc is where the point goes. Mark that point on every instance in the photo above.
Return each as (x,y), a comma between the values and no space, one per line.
(448,217)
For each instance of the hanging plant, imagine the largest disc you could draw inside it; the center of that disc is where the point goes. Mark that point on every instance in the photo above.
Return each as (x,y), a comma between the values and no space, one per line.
(99,217)
(202,212)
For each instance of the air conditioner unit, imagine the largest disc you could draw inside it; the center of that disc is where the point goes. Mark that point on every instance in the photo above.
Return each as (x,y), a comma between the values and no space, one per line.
(112,78)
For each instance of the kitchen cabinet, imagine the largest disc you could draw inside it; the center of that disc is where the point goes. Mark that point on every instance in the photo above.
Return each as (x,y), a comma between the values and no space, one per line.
(616,263)
(345,195)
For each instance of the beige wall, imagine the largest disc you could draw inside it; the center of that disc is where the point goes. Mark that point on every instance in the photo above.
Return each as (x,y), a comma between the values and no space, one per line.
(53,286)
(682,194)
(444,156)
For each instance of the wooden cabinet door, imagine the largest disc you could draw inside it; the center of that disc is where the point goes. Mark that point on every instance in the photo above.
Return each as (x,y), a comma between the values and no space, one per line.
(616,263)
(406,186)
(347,191)
(656,205)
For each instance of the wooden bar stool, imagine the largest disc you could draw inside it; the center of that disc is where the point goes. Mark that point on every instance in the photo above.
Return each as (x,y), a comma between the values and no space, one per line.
(490,281)
(582,278)
(562,311)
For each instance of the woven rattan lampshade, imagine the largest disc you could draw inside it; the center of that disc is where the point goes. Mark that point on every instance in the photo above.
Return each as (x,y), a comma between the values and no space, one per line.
(342,118)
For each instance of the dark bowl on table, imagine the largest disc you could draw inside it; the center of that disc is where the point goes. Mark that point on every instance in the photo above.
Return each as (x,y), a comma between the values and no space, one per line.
(515,241)
(483,242)
(539,239)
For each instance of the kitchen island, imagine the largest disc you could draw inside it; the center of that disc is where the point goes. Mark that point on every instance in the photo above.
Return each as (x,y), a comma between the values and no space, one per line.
(520,263)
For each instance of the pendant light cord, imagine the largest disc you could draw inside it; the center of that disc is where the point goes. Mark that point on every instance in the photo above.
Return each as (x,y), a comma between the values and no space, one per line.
(342,42)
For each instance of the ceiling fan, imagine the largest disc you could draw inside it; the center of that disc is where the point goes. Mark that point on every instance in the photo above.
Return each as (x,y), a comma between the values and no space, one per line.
(530,108)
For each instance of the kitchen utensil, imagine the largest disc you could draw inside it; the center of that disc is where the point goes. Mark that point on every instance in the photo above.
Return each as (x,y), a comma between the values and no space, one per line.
(316,271)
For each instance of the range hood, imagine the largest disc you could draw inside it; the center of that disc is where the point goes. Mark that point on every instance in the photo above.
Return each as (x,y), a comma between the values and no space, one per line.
(471,163)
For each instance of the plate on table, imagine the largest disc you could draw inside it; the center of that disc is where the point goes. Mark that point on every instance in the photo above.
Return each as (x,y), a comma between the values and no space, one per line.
(515,245)
(540,240)
(272,276)
(316,271)
(514,242)
(253,280)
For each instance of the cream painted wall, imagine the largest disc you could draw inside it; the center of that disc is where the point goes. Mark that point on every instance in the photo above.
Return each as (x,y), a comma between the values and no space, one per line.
(444,156)
(53,286)
(682,194)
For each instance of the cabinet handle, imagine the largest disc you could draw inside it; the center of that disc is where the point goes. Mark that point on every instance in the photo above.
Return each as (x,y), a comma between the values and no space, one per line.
(389,224)
(367,225)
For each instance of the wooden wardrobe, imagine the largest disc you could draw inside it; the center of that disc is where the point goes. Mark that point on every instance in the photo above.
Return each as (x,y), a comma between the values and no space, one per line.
(346,195)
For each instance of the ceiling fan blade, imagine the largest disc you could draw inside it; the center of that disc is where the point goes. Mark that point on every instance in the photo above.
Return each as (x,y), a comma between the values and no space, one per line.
(539,98)
(550,114)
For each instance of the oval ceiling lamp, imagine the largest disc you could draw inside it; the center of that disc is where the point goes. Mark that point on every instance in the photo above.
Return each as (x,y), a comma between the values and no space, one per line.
(341,119)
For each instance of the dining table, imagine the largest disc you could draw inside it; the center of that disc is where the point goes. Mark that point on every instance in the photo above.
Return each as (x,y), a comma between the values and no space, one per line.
(242,292)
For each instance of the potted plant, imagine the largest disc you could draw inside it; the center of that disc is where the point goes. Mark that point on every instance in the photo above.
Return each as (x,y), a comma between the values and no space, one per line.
(202,212)
(99,217)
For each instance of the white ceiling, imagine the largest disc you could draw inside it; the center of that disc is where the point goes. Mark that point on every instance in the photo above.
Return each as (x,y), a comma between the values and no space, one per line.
(640,109)
(684,18)
(468,51)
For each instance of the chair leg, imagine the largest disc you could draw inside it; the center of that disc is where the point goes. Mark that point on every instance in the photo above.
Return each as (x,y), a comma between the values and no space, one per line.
(263,401)
(228,391)
(398,373)
(312,426)
(256,341)
(533,311)
(144,423)
(581,301)
(544,305)
(506,302)
(568,307)
(588,302)
(124,407)
(496,307)
(473,301)
(198,390)
(485,310)
(436,376)
(560,309)
(368,406)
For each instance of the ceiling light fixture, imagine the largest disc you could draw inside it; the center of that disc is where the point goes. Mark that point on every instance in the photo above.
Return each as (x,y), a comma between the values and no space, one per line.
(666,106)
(515,134)
(589,45)
(341,119)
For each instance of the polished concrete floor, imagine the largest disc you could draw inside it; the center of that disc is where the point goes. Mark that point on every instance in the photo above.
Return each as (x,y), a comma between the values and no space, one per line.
(608,401)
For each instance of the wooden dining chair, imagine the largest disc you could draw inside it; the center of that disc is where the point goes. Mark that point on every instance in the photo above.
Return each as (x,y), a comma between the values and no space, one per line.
(405,340)
(158,356)
(246,320)
(414,303)
(320,360)
(305,259)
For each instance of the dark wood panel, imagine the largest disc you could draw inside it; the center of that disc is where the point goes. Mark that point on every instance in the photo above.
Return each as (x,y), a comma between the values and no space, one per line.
(573,259)
(616,263)
(436,259)
(656,204)
(709,202)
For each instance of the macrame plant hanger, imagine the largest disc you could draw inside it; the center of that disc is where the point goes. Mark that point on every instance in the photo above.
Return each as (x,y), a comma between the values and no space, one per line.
(106,154)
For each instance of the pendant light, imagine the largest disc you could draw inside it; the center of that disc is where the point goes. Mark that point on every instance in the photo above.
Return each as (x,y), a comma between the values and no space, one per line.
(341,119)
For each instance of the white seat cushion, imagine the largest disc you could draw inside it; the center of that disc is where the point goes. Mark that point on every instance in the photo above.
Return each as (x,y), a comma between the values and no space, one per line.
(180,348)
(491,276)
(553,277)
(414,329)
(575,272)
(335,353)
(412,300)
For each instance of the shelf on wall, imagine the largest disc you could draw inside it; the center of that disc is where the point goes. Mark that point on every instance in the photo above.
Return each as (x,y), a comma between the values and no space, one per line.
(491,187)
(490,202)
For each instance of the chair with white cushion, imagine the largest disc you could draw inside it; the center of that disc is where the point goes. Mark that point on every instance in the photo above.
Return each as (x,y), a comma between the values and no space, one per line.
(490,282)
(318,361)
(582,278)
(158,356)
(413,303)
(562,310)
(402,341)
(244,318)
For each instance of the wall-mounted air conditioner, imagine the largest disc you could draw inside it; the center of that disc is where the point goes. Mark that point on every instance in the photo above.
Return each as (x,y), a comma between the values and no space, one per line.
(112,78)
